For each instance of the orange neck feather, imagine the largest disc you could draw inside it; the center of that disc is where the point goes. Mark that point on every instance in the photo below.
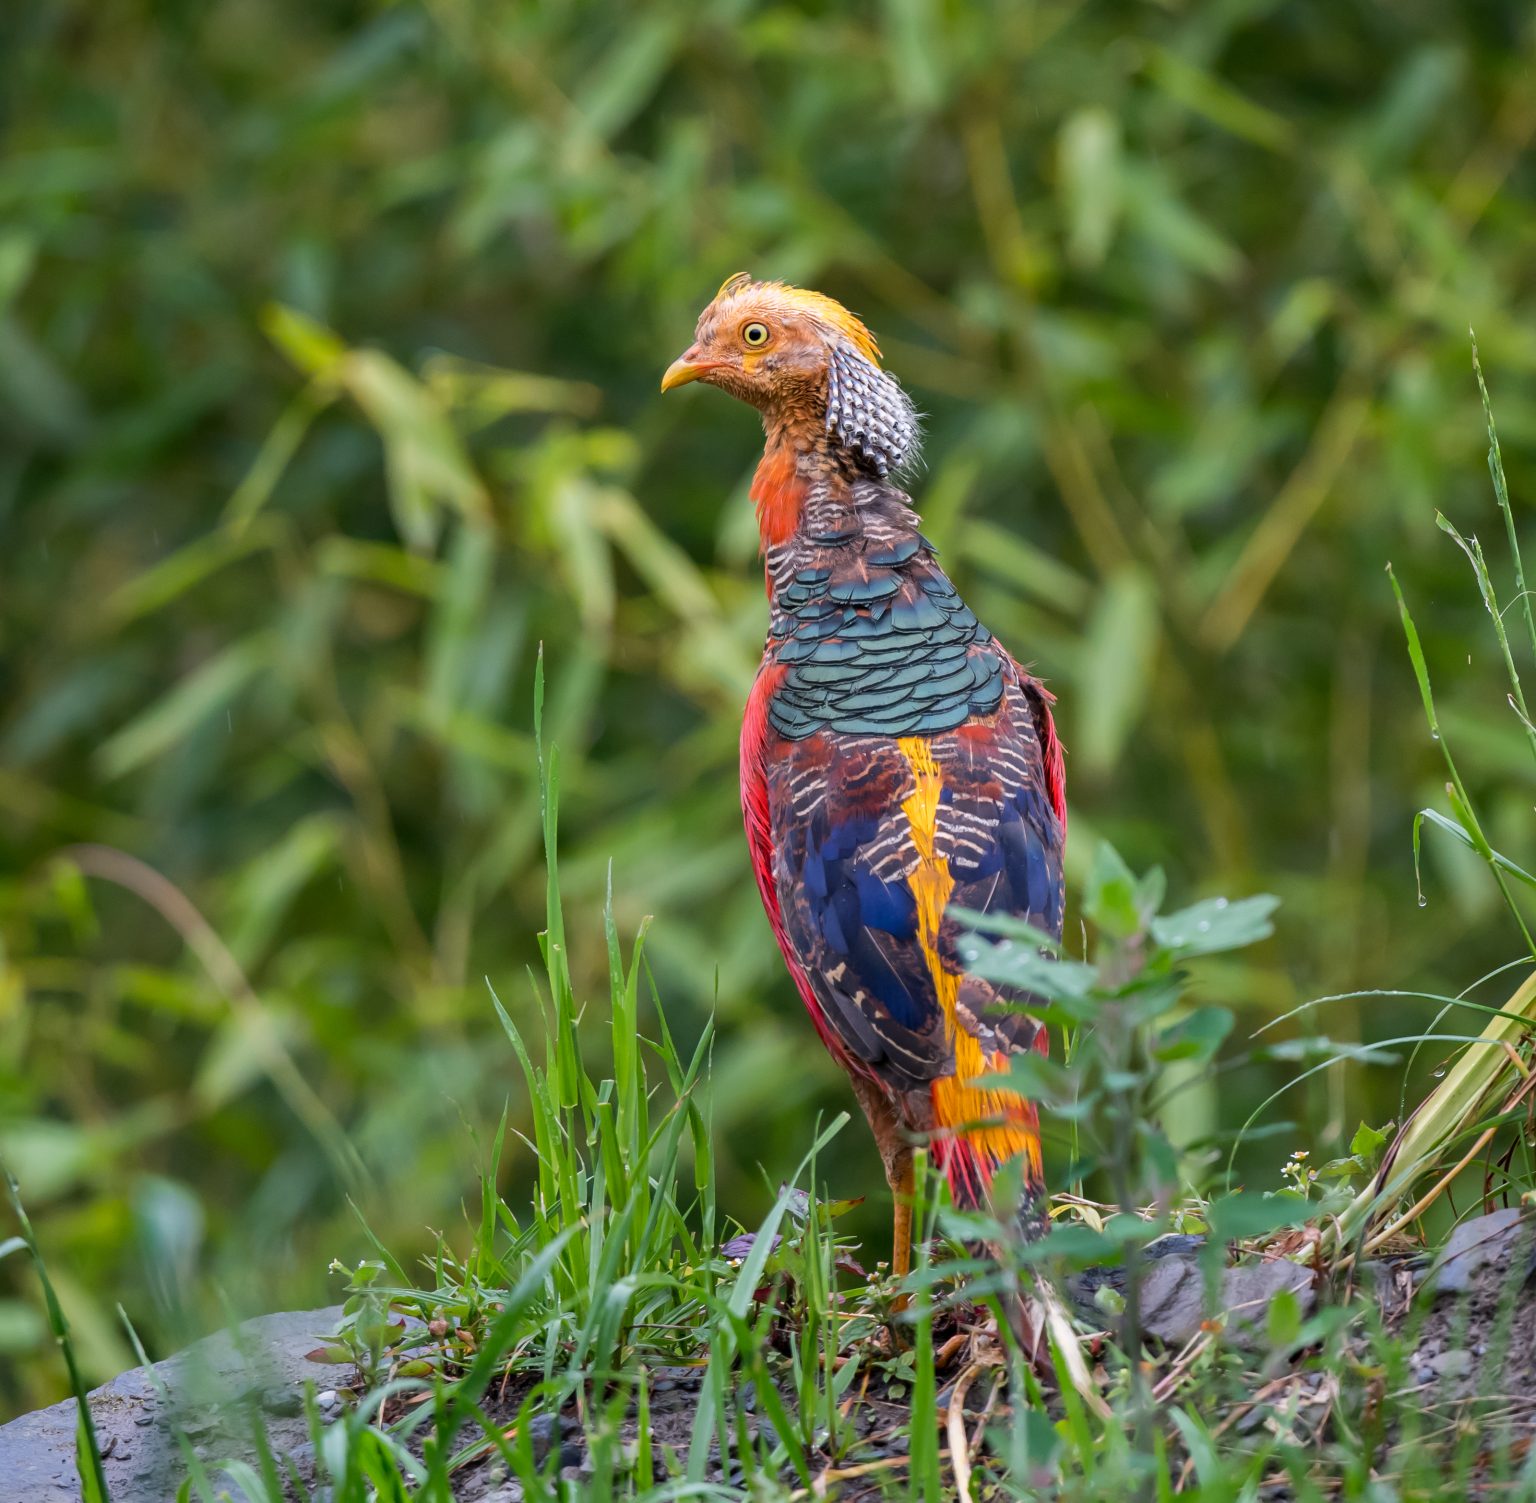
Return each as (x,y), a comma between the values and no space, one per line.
(778,490)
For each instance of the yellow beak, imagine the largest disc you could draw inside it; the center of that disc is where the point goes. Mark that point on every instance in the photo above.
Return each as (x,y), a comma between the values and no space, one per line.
(687,367)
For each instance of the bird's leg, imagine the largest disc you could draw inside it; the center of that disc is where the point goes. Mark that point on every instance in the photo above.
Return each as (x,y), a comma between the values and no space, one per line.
(901,1232)
(896,1156)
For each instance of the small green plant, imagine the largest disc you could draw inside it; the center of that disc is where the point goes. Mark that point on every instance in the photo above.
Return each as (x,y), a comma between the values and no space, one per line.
(1464,824)
(1124,1017)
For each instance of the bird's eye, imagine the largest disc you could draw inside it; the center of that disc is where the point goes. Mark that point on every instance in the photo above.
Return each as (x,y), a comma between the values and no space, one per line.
(755,335)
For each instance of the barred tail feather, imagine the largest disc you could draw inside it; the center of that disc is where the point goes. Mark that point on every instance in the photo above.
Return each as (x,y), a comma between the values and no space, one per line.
(978,1131)
(971,1168)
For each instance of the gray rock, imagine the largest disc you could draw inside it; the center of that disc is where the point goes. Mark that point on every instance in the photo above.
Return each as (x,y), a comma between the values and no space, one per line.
(1173,1300)
(1248,1290)
(1173,1306)
(1485,1240)
(545,1429)
(206,1391)
(1083,1286)
(287,1400)
(1453,1364)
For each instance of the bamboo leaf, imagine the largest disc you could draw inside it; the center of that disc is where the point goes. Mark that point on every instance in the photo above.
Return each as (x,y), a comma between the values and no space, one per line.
(215,686)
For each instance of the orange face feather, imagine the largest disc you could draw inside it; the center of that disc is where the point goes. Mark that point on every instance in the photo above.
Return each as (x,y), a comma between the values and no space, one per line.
(770,344)
(813,370)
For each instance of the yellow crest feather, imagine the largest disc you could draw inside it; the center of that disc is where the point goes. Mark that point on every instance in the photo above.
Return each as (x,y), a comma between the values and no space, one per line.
(824,310)
(733,284)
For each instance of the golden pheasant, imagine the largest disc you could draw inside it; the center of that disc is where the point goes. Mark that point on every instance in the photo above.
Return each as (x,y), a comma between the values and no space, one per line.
(895,760)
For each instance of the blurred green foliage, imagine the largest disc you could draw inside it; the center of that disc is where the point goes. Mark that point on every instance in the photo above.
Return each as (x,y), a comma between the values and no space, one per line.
(329,345)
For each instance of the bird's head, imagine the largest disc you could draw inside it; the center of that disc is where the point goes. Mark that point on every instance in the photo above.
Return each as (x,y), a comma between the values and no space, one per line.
(804,360)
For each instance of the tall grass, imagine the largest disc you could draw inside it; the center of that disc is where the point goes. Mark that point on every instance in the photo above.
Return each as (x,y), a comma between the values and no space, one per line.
(1491,1086)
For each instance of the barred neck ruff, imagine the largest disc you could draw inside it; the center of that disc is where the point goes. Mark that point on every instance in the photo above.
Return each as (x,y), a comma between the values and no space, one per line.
(861,425)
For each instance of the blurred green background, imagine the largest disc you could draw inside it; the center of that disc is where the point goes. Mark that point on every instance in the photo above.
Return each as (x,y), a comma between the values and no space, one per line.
(330,336)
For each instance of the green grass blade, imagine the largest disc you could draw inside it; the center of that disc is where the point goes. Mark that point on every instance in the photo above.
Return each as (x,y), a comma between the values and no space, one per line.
(1501,491)
(1461,801)
(1474,552)
(923,1440)
(1453,828)
(93,1476)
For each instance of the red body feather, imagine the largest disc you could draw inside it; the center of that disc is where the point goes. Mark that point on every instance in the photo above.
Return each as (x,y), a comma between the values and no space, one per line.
(756,816)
